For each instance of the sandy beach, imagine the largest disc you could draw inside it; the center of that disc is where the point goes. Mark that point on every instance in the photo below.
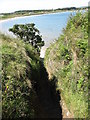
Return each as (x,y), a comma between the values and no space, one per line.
(43,50)
(1,21)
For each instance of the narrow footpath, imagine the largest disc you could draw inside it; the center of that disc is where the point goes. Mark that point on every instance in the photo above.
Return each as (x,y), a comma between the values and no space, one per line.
(48,97)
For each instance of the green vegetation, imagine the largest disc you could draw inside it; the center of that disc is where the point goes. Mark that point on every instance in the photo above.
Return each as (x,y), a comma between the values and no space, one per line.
(26,90)
(20,63)
(67,60)
(29,34)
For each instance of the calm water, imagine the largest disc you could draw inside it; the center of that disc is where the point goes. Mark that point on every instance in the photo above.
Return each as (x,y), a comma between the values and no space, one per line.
(50,25)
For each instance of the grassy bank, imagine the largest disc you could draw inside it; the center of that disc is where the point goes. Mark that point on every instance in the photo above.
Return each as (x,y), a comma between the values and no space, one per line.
(20,63)
(26,90)
(67,60)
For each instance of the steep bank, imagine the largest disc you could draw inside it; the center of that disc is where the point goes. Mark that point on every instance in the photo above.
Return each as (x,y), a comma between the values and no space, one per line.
(67,60)
(27,91)
(18,62)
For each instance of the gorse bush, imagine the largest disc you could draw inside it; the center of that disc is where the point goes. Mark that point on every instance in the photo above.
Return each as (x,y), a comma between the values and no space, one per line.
(18,61)
(67,59)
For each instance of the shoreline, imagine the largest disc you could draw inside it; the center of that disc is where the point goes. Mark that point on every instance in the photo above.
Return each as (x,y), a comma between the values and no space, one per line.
(43,49)
(14,18)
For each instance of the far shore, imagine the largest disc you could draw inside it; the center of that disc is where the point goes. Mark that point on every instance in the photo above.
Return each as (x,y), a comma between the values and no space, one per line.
(17,17)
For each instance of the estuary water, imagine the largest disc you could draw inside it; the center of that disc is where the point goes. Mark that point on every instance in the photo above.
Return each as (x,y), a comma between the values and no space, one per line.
(49,25)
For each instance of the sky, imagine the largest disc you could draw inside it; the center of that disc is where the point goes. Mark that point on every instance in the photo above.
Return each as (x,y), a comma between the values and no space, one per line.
(14,5)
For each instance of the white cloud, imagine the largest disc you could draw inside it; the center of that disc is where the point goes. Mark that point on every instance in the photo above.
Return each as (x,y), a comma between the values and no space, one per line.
(13,5)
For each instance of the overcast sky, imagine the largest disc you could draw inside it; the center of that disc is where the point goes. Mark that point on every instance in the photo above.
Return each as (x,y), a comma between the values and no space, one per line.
(14,5)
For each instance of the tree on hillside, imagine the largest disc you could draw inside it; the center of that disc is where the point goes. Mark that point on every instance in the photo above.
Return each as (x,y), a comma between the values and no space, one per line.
(29,33)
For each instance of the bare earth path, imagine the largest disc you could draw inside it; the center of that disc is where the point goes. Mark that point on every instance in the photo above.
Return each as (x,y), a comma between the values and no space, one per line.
(48,98)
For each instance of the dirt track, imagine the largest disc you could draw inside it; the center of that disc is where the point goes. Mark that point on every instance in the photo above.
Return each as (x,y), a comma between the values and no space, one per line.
(48,97)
